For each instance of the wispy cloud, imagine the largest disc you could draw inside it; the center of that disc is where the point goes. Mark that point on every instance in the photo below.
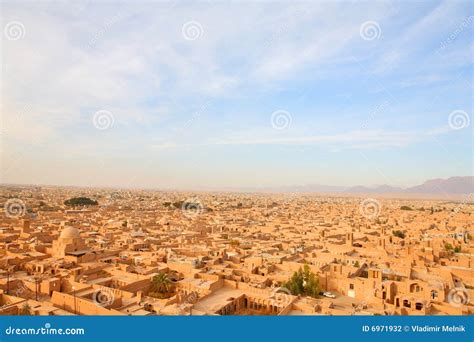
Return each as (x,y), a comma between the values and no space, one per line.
(367,139)
(165,92)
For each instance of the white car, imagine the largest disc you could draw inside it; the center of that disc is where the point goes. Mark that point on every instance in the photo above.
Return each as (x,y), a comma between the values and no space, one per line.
(329,295)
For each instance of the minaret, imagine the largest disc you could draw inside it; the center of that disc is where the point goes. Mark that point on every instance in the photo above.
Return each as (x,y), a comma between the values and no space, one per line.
(26,226)
(349,239)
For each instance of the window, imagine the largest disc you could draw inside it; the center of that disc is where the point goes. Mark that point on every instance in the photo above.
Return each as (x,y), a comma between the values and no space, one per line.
(351,286)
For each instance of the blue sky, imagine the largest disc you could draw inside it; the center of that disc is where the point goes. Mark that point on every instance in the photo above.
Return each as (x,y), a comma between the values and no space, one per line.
(191,95)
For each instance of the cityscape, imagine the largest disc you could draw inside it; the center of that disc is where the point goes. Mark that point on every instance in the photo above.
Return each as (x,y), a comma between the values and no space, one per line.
(236,158)
(73,251)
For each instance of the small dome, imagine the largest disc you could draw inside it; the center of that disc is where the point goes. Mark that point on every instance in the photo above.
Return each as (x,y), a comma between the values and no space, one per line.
(69,233)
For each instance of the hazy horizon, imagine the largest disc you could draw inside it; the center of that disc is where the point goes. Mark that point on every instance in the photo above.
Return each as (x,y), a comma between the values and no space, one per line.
(252,95)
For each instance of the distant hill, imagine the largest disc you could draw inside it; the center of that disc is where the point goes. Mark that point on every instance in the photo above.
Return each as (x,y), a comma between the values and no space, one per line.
(453,185)
(450,186)
(381,189)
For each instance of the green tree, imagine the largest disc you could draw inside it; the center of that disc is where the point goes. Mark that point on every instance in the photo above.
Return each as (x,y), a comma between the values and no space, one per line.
(399,233)
(80,201)
(161,283)
(303,282)
(311,285)
(296,283)
(25,310)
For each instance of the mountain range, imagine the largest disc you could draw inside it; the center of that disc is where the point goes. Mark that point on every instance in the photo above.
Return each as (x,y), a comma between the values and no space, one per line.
(449,186)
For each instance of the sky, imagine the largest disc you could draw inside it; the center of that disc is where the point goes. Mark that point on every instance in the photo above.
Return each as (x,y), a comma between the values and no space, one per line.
(187,95)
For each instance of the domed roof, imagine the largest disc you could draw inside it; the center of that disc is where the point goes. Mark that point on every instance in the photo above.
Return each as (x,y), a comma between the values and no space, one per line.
(69,233)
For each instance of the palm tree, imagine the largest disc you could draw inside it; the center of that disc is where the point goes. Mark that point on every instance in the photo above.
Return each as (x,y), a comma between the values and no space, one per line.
(161,283)
(25,310)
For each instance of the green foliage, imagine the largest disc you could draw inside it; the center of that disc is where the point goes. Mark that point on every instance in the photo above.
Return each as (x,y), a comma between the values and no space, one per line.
(79,201)
(303,282)
(356,264)
(399,233)
(178,204)
(457,249)
(25,310)
(161,284)
(405,207)
(448,246)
